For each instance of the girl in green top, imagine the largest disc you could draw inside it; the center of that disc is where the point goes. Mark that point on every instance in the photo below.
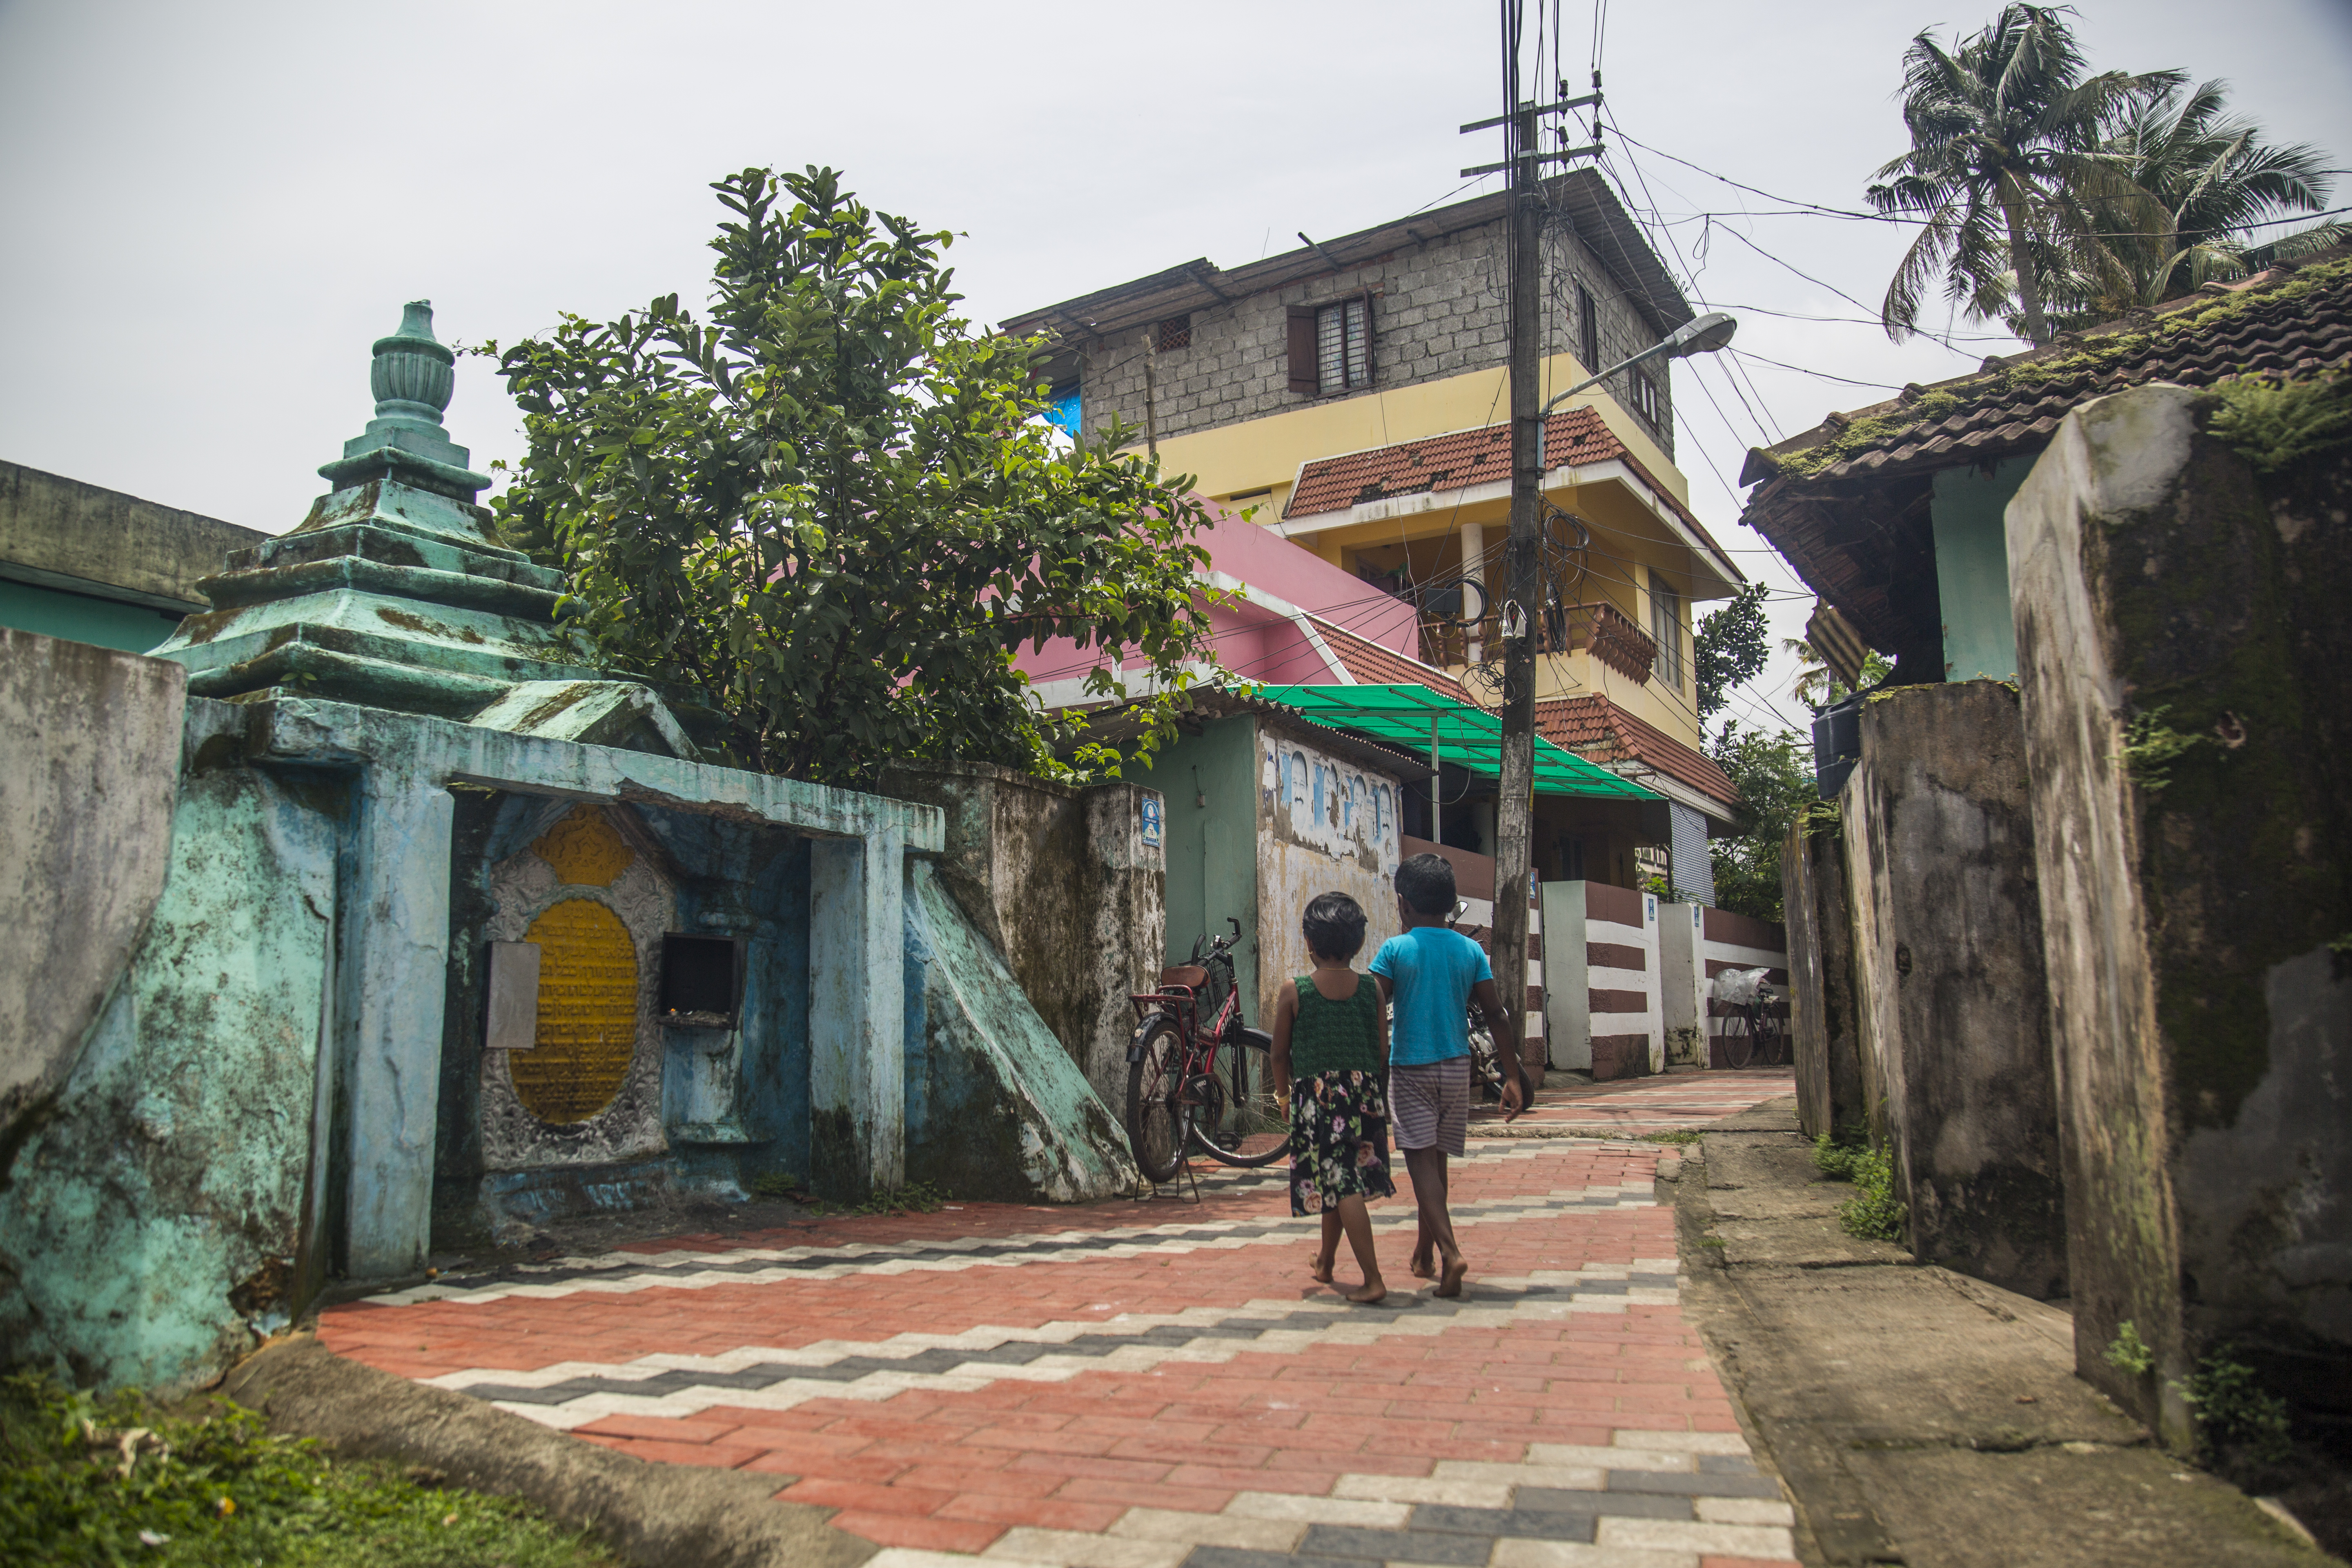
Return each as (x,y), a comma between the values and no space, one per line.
(1330,1048)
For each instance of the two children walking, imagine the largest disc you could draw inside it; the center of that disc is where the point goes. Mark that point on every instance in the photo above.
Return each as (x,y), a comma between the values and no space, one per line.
(1332,1054)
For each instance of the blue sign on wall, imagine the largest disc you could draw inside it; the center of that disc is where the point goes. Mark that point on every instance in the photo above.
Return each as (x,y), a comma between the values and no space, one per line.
(1151,821)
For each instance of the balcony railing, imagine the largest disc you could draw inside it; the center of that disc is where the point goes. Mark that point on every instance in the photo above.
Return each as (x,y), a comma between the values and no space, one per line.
(1600,629)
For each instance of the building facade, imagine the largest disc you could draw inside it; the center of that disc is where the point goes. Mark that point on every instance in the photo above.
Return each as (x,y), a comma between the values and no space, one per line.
(1349,399)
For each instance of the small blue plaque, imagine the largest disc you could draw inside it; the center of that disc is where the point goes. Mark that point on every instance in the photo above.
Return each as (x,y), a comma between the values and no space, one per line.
(1151,821)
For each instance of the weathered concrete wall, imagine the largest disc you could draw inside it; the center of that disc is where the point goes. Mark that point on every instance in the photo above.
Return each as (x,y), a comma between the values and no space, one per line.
(87,783)
(1947,967)
(1831,1095)
(1325,825)
(2186,665)
(166,1213)
(995,1107)
(62,533)
(1060,881)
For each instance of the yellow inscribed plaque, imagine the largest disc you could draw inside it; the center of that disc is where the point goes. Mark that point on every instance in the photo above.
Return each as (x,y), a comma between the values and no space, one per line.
(585,849)
(587,1013)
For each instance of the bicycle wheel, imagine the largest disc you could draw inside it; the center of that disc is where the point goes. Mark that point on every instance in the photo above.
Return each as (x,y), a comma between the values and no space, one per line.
(1236,1118)
(1157,1116)
(1772,1039)
(1738,1044)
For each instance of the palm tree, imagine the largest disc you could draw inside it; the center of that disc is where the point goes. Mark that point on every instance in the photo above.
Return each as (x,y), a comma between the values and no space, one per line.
(2007,166)
(1817,685)
(2216,179)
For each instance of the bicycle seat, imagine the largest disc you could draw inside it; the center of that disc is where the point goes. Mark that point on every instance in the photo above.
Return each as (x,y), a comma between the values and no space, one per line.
(1191,974)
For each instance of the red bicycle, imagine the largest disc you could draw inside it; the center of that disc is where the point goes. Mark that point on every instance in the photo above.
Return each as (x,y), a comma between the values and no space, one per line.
(1176,1095)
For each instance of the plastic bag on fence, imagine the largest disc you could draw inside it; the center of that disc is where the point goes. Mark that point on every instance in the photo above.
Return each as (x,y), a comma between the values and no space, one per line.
(1739,987)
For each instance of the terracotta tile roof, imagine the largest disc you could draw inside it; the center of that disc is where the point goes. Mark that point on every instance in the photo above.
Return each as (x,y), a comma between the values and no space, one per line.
(1450,462)
(1376,664)
(1600,732)
(2292,322)
(1857,529)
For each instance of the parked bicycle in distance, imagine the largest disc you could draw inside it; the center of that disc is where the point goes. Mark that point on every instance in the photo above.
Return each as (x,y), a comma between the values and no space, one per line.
(1179,1093)
(1752,1034)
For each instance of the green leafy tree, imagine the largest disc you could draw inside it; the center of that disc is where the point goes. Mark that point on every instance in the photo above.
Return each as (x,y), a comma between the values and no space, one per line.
(1730,649)
(2008,169)
(1774,773)
(830,513)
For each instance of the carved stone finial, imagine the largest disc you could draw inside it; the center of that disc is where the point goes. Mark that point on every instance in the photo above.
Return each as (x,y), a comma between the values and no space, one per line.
(412,376)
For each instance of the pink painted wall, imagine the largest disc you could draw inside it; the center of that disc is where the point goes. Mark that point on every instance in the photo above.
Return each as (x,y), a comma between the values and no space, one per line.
(1255,641)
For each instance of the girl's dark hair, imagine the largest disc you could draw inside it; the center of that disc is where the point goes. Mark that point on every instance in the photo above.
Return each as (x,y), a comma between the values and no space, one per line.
(1425,883)
(1334,926)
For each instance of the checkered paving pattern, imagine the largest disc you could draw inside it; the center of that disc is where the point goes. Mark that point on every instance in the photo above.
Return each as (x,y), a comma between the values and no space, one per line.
(1159,1383)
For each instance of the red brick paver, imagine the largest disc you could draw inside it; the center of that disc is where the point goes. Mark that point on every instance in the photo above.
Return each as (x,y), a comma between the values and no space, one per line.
(1126,1368)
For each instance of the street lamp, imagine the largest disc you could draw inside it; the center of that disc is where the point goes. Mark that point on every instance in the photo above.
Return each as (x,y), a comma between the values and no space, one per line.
(1702,336)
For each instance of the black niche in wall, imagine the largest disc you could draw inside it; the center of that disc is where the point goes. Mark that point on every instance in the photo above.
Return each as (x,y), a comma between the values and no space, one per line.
(701,980)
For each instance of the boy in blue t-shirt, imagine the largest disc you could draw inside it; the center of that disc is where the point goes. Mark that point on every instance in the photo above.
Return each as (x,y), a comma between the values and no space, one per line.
(1430,973)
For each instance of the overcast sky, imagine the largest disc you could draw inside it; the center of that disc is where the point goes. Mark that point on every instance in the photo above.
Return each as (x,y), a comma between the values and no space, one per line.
(212,209)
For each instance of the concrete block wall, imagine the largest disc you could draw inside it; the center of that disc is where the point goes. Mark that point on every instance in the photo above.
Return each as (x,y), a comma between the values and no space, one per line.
(1438,311)
(2202,1025)
(1953,1010)
(1601,966)
(1821,1023)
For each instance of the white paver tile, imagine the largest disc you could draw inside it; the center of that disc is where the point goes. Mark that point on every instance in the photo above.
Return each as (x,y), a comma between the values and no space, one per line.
(1573,1477)
(1685,1442)
(1583,1455)
(1577,1554)
(1081,1549)
(914,1557)
(1745,1510)
(1677,1536)
(1425,1488)
(1319,1509)
(1210,1528)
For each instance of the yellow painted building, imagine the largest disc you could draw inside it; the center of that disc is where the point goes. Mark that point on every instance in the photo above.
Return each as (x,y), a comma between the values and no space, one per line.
(1352,396)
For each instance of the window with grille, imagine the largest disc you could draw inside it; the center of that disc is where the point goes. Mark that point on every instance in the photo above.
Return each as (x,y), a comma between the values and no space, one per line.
(1666,631)
(1175,333)
(1646,402)
(1331,345)
(1587,330)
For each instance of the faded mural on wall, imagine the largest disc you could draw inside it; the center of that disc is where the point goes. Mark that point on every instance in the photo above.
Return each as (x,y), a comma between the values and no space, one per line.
(1325,825)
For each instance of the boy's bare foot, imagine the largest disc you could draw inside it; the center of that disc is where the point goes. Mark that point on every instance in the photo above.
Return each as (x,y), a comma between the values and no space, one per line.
(1320,1271)
(1420,1266)
(1450,1282)
(1372,1290)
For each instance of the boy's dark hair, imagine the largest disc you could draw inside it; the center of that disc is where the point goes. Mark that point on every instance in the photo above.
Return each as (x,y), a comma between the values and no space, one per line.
(1334,926)
(1425,883)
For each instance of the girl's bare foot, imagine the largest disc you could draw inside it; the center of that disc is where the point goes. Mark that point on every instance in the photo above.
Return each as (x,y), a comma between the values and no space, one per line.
(1450,1282)
(1372,1290)
(1420,1266)
(1321,1270)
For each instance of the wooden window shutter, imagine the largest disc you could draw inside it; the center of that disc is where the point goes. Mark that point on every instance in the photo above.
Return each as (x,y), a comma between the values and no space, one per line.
(1301,325)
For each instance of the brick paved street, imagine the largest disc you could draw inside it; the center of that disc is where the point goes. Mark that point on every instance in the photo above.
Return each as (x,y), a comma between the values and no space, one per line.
(1145,1384)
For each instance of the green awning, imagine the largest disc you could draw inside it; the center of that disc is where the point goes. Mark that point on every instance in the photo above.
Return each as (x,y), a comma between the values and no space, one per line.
(1472,738)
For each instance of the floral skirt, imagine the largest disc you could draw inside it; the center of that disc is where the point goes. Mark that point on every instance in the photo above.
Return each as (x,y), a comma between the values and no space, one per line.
(1338,1140)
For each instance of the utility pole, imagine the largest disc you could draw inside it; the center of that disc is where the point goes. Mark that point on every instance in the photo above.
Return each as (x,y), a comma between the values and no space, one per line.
(1515,809)
(1522,600)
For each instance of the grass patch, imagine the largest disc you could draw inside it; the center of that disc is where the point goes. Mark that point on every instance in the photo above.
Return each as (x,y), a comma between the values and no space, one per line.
(113,1480)
(1873,1213)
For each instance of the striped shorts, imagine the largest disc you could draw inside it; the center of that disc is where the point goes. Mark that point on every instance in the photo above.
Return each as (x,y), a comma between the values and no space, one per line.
(1429,1104)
